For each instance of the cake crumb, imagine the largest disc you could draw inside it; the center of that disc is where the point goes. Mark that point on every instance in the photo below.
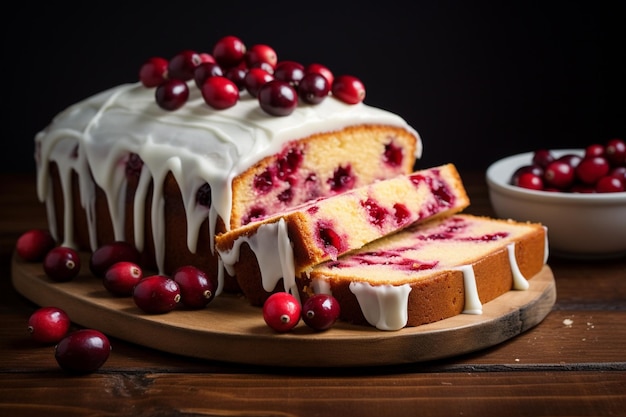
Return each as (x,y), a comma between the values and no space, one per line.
(568,322)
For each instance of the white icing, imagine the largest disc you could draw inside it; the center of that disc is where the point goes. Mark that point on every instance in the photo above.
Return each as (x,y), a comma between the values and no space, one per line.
(472,301)
(519,281)
(270,240)
(546,247)
(195,143)
(384,306)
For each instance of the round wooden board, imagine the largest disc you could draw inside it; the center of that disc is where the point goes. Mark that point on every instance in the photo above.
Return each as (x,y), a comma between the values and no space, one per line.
(231,330)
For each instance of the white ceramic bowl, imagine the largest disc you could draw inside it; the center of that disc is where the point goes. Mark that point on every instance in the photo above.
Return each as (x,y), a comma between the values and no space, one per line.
(579,225)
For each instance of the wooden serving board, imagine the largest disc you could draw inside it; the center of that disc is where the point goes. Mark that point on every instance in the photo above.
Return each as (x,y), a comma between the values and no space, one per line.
(231,330)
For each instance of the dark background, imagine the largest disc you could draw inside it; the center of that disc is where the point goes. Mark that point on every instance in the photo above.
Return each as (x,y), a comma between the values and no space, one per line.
(478,80)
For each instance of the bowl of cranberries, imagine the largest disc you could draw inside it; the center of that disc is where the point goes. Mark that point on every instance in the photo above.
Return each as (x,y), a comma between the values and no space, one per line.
(578,194)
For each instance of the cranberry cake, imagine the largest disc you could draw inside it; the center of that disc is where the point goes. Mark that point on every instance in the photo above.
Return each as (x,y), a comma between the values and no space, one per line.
(260,254)
(118,167)
(431,271)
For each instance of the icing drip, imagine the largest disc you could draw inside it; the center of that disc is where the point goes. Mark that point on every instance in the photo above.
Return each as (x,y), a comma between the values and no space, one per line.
(270,239)
(546,247)
(384,306)
(472,301)
(519,281)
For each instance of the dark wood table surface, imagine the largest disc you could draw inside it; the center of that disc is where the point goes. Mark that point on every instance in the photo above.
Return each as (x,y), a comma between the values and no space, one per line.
(572,364)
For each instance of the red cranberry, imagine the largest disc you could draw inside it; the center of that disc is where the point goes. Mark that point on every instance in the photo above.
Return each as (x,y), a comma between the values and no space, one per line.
(183,64)
(393,155)
(289,71)
(203,195)
(134,164)
(197,289)
(615,151)
(348,89)
(48,324)
(205,57)
(153,72)
(220,92)
(609,184)
(542,157)
(83,351)
(313,88)
(34,244)
(229,51)
(342,179)
(156,294)
(571,159)
(172,94)
(281,311)
(591,169)
(204,71)
(261,53)
(619,172)
(110,253)
(530,181)
(62,264)
(121,278)
(255,79)
(533,169)
(559,174)
(595,149)
(238,76)
(278,98)
(322,70)
(320,311)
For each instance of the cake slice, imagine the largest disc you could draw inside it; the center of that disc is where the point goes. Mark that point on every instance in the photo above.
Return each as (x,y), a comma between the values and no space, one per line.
(431,271)
(288,245)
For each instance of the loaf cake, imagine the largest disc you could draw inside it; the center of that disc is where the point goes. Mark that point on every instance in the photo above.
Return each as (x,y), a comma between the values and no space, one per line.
(261,254)
(117,167)
(431,271)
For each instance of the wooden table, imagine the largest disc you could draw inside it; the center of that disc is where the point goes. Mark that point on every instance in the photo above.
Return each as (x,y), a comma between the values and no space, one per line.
(572,363)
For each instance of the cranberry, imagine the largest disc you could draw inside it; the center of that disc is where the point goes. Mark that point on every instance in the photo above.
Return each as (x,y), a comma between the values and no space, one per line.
(376,213)
(595,149)
(83,351)
(205,57)
(255,79)
(197,289)
(183,64)
(220,92)
(261,53)
(342,179)
(238,76)
(121,278)
(277,98)
(348,89)
(609,184)
(322,70)
(313,88)
(592,168)
(48,324)
(320,311)
(393,155)
(111,253)
(619,172)
(134,164)
(571,159)
(530,181)
(156,294)
(203,195)
(153,72)
(281,311)
(204,71)
(289,71)
(615,151)
(62,264)
(542,157)
(172,94)
(559,174)
(34,244)
(332,241)
(533,169)
(229,51)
